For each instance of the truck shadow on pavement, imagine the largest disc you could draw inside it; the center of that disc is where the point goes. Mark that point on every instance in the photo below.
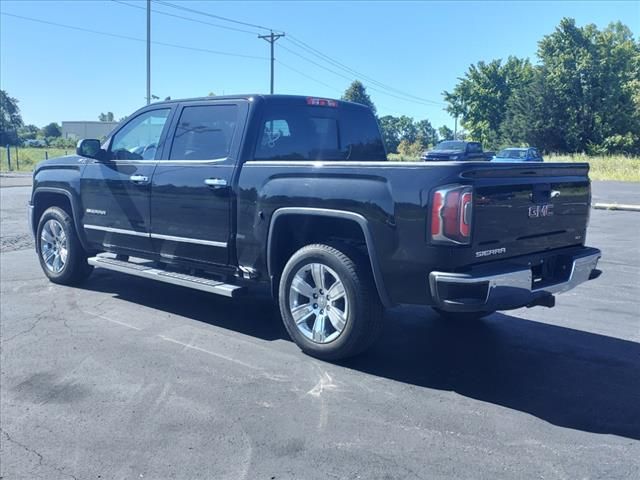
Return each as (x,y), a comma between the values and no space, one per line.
(567,377)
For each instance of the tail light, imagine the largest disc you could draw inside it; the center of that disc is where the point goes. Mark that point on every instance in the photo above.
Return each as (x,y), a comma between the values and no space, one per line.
(451,215)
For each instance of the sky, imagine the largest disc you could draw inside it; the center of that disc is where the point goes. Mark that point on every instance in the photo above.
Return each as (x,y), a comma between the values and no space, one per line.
(416,50)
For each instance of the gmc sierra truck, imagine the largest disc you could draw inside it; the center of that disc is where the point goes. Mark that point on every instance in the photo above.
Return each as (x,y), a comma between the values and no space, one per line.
(295,196)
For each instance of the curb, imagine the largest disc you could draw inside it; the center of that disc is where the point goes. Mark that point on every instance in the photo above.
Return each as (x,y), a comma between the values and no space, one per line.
(616,206)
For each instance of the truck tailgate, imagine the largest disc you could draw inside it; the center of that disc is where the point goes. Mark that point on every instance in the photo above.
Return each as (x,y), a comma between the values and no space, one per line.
(522,209)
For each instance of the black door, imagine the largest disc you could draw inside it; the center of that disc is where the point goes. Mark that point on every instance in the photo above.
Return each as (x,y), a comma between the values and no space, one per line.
(191,194)
(115,192)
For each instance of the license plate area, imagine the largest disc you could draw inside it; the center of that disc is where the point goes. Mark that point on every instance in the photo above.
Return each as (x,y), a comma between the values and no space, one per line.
(551,270)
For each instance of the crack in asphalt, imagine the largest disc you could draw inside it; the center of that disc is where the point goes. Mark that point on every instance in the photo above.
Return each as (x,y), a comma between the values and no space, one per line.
(41,461)
(39,318)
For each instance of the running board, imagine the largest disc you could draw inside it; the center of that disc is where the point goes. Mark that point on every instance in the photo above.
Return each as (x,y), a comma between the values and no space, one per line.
(149,270)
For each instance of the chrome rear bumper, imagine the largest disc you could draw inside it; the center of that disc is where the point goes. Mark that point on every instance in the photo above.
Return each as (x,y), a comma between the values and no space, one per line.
(498,290)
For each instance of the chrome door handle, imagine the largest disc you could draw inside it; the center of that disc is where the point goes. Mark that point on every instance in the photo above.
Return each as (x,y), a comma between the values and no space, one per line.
(215,182)
(139,179)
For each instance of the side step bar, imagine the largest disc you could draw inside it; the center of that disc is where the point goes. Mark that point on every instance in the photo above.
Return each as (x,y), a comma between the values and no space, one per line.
(147,270)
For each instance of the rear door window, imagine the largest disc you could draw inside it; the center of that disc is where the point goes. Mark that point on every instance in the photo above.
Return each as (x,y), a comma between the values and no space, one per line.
(204,132)
(318,133)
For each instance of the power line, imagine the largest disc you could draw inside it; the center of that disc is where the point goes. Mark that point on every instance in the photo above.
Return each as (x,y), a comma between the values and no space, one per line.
(379,86)
(349,78)
(126,37)
(300,44)
(195,20)
(289,67)
(200,12)
(333,87)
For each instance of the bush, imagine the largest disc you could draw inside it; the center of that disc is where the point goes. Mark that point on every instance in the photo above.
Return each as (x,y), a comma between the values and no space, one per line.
(414,149)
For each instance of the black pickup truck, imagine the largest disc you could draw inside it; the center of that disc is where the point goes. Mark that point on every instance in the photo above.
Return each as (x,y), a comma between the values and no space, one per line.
(457,150)
(294,195)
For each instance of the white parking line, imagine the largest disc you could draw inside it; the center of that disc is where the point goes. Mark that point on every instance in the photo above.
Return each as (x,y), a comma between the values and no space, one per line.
(110,319)
(219,355)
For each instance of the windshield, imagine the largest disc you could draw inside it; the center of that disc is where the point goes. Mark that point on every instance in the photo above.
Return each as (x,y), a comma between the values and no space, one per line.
(510,153)
(457,146)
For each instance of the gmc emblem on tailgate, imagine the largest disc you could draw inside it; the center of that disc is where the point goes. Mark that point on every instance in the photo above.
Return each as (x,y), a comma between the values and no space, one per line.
(538,211)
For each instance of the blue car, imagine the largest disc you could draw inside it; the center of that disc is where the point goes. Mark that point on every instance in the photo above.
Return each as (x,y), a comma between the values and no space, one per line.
(526,154)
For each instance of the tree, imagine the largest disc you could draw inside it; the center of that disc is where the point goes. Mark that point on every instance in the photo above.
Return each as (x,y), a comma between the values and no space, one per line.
(426,134)
(106,117)
(357,93)
(445,133)
(51,130)
(482,95)
(583,94)
(414,149)
(28,132)
(10,119)
(589,76)
(396,129)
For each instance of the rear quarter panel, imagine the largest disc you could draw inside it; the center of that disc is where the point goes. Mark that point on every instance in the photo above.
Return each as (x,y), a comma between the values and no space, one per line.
(392,197)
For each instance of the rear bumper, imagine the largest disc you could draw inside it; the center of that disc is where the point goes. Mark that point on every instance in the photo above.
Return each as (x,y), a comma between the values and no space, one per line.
(491,289)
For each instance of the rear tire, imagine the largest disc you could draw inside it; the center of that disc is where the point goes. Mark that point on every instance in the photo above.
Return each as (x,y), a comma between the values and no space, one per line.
(61,255)
(329,303)
(462,316)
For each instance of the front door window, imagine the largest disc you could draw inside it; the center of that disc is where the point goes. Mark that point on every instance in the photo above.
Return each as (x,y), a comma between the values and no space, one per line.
(138,139)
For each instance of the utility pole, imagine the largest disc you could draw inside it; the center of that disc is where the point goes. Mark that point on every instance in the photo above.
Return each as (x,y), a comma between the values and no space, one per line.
(455,128)
(148,52)
(271,38)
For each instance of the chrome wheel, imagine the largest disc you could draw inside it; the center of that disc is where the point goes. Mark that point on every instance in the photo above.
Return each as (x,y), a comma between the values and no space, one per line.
(318,303)
(54,246)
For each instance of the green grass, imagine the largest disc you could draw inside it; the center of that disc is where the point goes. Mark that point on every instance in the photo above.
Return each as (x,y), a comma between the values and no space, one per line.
(602,167)
(29,157)
(612,167)
(609,167)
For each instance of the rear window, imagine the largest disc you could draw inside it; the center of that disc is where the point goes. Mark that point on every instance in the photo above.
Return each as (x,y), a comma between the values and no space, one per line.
(300,132)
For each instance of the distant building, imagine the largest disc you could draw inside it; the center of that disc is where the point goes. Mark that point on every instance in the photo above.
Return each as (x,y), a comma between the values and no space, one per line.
(87,129)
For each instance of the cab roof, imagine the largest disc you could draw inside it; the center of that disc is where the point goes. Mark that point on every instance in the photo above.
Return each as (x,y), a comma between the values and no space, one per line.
(276,98)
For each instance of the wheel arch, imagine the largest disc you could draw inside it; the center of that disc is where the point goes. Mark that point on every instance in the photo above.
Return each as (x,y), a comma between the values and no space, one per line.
(45,197)
(353,225)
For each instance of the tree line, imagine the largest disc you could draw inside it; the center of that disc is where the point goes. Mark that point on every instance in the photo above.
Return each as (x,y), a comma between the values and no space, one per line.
(582,95)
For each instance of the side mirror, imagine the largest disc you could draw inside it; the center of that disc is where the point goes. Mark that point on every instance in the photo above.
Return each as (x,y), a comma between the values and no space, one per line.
(89,147)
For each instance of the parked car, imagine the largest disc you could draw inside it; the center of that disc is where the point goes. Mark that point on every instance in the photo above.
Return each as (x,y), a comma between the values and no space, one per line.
(527,154)
(35,143)
(294,195)
(456,150)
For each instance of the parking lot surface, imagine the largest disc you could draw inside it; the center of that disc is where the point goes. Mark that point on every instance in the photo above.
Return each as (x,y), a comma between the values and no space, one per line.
(127,378)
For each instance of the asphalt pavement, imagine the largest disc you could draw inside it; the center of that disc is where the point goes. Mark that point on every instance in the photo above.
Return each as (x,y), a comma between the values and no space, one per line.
(127,378)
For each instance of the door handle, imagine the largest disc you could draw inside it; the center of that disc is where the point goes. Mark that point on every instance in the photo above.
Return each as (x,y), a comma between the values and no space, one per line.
(215,182)
(139,179)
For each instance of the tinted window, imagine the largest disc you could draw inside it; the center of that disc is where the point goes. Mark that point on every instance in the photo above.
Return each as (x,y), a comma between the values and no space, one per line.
(318,133)
(204,132)
(475,148)
(450,145)
(138,139)
(512,153)
(360,136)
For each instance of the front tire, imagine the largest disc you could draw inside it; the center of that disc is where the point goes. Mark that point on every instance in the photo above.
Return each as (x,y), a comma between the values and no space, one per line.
(328,302)
(62,258)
